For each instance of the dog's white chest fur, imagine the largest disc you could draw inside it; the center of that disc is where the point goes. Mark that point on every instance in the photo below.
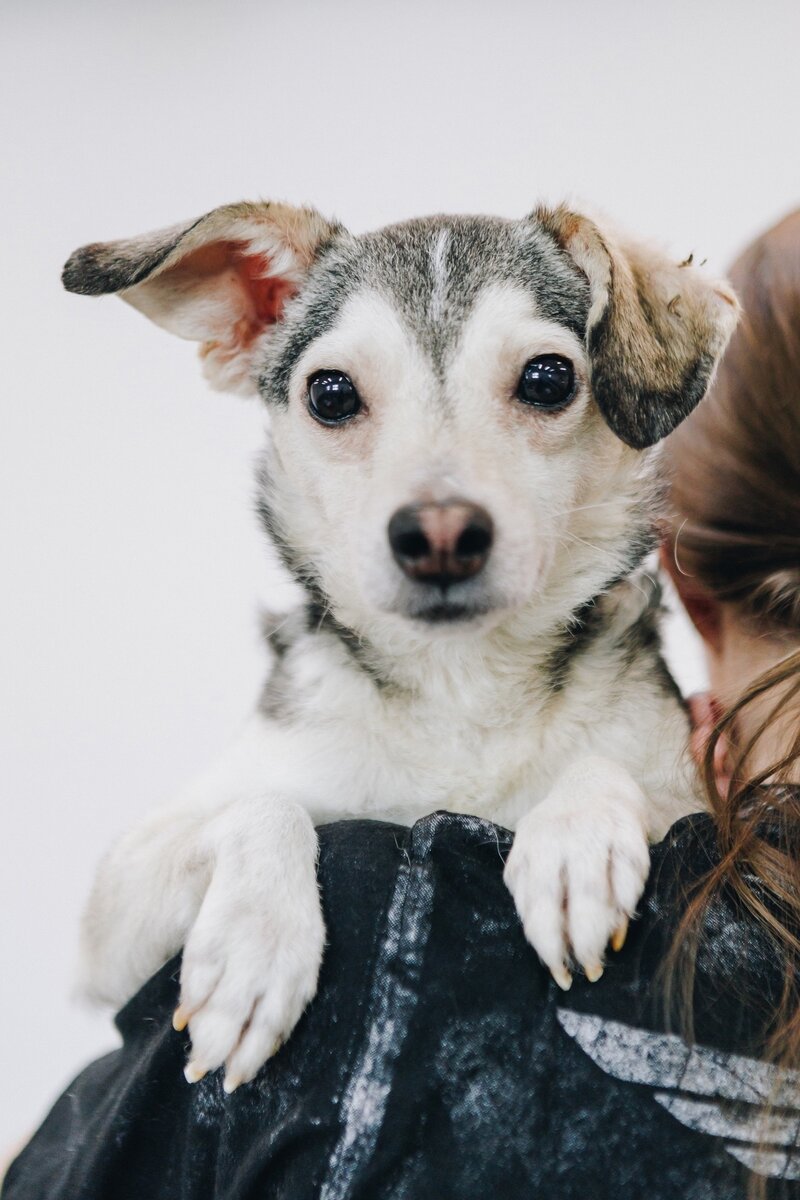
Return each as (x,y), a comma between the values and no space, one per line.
(481,728)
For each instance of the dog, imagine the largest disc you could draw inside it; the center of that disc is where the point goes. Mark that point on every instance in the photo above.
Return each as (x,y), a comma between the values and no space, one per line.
(462,474)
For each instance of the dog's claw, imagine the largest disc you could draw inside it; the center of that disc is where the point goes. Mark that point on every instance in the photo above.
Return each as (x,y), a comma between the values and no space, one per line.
(562,978)
(180,1018)
(193,1072)
(231,1083)
(593,972)
(619,935)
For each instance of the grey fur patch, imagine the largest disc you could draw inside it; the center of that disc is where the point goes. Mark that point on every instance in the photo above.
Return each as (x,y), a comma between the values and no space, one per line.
(301,571)
(280,632)
(278,699)
(317,617)
(320,619)
(432,270)
(641,643)
(587,623)
(331,281)
(105,267)
(579,632)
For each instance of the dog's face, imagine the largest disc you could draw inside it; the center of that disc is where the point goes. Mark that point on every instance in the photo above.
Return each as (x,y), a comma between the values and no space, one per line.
(430,438)
(455,401)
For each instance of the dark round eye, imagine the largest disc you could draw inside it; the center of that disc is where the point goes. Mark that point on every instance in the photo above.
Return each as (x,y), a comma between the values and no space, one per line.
(547,382)
(332,397)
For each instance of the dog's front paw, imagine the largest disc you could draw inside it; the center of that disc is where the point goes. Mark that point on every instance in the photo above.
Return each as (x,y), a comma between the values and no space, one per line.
(576,871)
(250,968)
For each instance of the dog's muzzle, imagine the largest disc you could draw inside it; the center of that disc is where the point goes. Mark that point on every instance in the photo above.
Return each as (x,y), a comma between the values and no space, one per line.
(440,546)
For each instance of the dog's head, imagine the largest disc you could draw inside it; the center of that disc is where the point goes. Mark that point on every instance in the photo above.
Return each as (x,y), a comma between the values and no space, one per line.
(458,403)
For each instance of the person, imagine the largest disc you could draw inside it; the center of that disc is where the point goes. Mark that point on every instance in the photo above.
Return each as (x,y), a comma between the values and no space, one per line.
(733,553)
(438,1059)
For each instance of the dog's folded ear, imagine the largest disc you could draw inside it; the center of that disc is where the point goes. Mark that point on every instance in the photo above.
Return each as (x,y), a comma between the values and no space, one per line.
(221,280)
(655,332)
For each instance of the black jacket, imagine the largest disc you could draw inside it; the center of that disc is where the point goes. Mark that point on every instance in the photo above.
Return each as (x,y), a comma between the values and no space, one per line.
(439,1061)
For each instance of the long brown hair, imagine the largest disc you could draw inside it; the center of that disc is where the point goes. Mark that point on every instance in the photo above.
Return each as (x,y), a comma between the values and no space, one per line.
(735,489)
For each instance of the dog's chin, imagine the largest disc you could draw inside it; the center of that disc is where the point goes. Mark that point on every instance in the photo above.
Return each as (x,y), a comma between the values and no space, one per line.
(462,610)
(449,612)
(458,614)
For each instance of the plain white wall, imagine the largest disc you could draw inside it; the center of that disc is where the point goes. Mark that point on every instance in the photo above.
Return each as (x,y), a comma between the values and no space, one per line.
(132,566)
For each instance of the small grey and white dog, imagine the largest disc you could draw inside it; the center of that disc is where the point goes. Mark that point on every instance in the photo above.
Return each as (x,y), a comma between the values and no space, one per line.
(461,473)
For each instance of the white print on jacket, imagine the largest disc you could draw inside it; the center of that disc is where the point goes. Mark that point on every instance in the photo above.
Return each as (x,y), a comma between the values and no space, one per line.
(700,1087)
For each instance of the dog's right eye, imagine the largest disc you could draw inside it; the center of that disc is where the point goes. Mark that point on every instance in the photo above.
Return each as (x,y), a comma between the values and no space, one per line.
(332,398)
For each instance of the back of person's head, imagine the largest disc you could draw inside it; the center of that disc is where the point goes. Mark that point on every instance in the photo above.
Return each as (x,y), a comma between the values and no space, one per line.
(735,463)
(734,545)
(734,468)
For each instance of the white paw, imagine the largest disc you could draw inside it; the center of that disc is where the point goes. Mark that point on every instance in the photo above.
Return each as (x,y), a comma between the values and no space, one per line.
(576,871)
(250,967)
(249,970)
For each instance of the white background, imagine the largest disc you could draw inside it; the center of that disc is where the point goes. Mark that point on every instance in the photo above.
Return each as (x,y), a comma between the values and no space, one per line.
(131,563)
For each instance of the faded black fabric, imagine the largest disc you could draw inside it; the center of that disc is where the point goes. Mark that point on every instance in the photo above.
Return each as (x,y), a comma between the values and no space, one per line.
(433,1062)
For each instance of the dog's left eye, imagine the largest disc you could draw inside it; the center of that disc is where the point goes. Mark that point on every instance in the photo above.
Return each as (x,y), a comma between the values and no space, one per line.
(332,398)
(547,382)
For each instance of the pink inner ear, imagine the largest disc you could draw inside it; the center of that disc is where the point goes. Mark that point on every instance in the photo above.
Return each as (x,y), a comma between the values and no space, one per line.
(245,297)
(268,293)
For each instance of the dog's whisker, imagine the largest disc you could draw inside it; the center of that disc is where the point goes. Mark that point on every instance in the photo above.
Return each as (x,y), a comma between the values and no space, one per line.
(608,554)
(590,545)
(281,624)
(324,612)
(566,512)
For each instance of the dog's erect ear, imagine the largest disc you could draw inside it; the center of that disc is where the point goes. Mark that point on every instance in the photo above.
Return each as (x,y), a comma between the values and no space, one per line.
(655,332)
(221,280)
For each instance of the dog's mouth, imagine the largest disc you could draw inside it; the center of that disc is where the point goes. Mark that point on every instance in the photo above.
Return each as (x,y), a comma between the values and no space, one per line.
(443,609)
(438,603)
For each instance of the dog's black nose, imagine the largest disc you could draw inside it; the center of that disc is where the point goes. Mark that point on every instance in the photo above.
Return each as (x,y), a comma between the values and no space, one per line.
(441,544)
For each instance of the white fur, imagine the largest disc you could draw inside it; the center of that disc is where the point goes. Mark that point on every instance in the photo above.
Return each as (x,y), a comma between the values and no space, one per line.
(440,275)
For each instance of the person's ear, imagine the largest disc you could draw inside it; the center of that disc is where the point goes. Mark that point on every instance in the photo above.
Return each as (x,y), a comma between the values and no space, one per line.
(703,609)
(655,332)
(222,280)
